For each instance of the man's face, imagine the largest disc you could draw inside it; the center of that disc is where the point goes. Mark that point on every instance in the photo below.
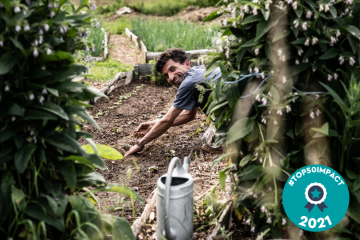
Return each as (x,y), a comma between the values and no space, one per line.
(174,72)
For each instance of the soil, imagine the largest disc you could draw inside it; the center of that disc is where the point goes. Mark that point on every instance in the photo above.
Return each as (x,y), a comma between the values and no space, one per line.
(124,50)
(145,104)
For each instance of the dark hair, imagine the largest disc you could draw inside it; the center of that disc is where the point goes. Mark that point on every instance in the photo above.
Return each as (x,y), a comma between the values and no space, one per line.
(176,54)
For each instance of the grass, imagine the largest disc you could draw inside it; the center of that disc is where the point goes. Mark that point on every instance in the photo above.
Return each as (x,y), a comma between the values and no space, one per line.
(108,69)
(117,27)
(159,35)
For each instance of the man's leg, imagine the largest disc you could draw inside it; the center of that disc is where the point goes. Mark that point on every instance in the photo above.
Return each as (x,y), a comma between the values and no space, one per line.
(201,94)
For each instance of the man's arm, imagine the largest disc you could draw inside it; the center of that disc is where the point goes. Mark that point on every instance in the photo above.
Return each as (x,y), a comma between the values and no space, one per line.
(162,125)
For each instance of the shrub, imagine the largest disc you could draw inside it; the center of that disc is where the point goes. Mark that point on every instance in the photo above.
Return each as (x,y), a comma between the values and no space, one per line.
(156,77)
(43,167)
(309,45)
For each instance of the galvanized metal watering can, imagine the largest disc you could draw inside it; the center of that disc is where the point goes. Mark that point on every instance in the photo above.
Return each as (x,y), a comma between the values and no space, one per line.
(175,202)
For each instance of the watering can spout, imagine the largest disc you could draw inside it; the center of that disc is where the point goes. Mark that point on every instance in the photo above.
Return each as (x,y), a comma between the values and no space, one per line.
(186,164)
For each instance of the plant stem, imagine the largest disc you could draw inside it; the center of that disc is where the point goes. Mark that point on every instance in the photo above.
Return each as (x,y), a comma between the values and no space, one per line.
(275,186)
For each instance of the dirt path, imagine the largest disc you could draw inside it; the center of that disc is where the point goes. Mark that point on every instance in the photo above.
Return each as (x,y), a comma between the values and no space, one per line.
(124,50)
(153,161)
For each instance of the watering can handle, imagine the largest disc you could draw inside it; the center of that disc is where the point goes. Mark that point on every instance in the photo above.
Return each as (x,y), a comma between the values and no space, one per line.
(180,169)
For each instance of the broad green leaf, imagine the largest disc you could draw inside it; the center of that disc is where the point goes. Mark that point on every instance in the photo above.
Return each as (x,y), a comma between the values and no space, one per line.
(277,173)
(80,159)
(221,157)
(119,228)
(321,132)
(354,209)
(296,69)
(54,109)
(232,94)
(333,11)
(17,194)
(354,123)
(19,45)
(213,16)
(227,32)
(37,114)
(7,61)
(22,157)
(245,160)
(263,27)
(113,187)
(331,53)
(299,41)
(59,205)
(104,151)
(251,19)
(251,172)
(299,12)
(68,171)
(353,31)
(250,43)
(356,184)
(222,178)
(63,141)
(350,174)
(93,178)
(336,97)
(239,130)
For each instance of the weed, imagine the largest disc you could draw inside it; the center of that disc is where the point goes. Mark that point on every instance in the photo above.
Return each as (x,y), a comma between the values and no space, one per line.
(153,168)
(196,132)
(137,167)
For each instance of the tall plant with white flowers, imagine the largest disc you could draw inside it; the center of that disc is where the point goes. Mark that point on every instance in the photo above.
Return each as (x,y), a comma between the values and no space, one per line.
(44,171)
(297,103)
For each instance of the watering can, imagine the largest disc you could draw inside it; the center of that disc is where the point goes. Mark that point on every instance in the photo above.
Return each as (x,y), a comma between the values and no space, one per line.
(175,202)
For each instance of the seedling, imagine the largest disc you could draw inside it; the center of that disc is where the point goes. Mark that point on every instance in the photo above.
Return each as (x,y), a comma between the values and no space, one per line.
(138,169)
(126,96)
(153,168)
(112,107)
(171,154)
(196,132)
(117,130)
(98,114)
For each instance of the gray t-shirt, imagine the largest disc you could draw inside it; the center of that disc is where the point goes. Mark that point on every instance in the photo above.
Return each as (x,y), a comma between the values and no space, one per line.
(184,99)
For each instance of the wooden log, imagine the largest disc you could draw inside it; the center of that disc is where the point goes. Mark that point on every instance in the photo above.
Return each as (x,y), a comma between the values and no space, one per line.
(193,53)
(139,223)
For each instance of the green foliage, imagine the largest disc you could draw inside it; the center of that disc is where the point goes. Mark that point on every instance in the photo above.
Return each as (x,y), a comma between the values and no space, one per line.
(110,9)
(118,26)
(159,35)
(156,77)
(96,36)
(103,151)
(43,167)
(312,46)
(108,69)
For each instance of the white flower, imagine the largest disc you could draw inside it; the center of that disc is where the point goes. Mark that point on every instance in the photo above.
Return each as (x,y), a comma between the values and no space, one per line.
(318,112)
(351,61)
(312,115)
(48,51)
(336,76)
(261,160)
(288,109)
(225,22)
(264,101)
(269,221)
(93,49)
(246,8)
(255,1)
(321,8)
(255,11)
(36,42)
(257,98)
(283,221)
(314,40)
(41,32)
(341,60)
(283,58)
(297,62)
(252,229)
(256,69)
(50,5)
(262,209)
(306,60)
(333,40)
(309,14)
(327,7)
(255,196)
(279,112)
(93,7)
(329,77)
(26,28)
(221,49)
(338,34)
(294,5)
(263,121)
(56,5)
(301,233)
(18,28)
(28,2)
(300,52)
(52,14)
(34,138)
(267,6)
(13,119)
(279,52)
(303,26)
(262,75)
(275,122)
(247,221)
(35,53)
(317,96)
(314,69)
(251,193)
(17,9)
(46,27)
(269,94)
(41,99)
(307,42)
(41,39)
(1,43)
(31,96)
(44,92)
(250,70)
(227,54)
(7,89)
(234,24)
(284,80)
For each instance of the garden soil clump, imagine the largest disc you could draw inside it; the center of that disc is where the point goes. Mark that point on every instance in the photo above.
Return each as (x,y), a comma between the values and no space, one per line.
(117,122)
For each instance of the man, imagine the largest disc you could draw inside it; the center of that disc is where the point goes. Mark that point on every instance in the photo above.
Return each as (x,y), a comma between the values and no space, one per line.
(175,65)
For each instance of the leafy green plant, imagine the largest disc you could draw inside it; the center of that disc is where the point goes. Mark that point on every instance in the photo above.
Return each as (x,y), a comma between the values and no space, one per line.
(306,111)
(159,35)
(96,36)
(118,26)
(44,171)
(156,77)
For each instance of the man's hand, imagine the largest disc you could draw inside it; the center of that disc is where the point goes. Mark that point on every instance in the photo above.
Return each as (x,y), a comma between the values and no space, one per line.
(133,150)
(143,129)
